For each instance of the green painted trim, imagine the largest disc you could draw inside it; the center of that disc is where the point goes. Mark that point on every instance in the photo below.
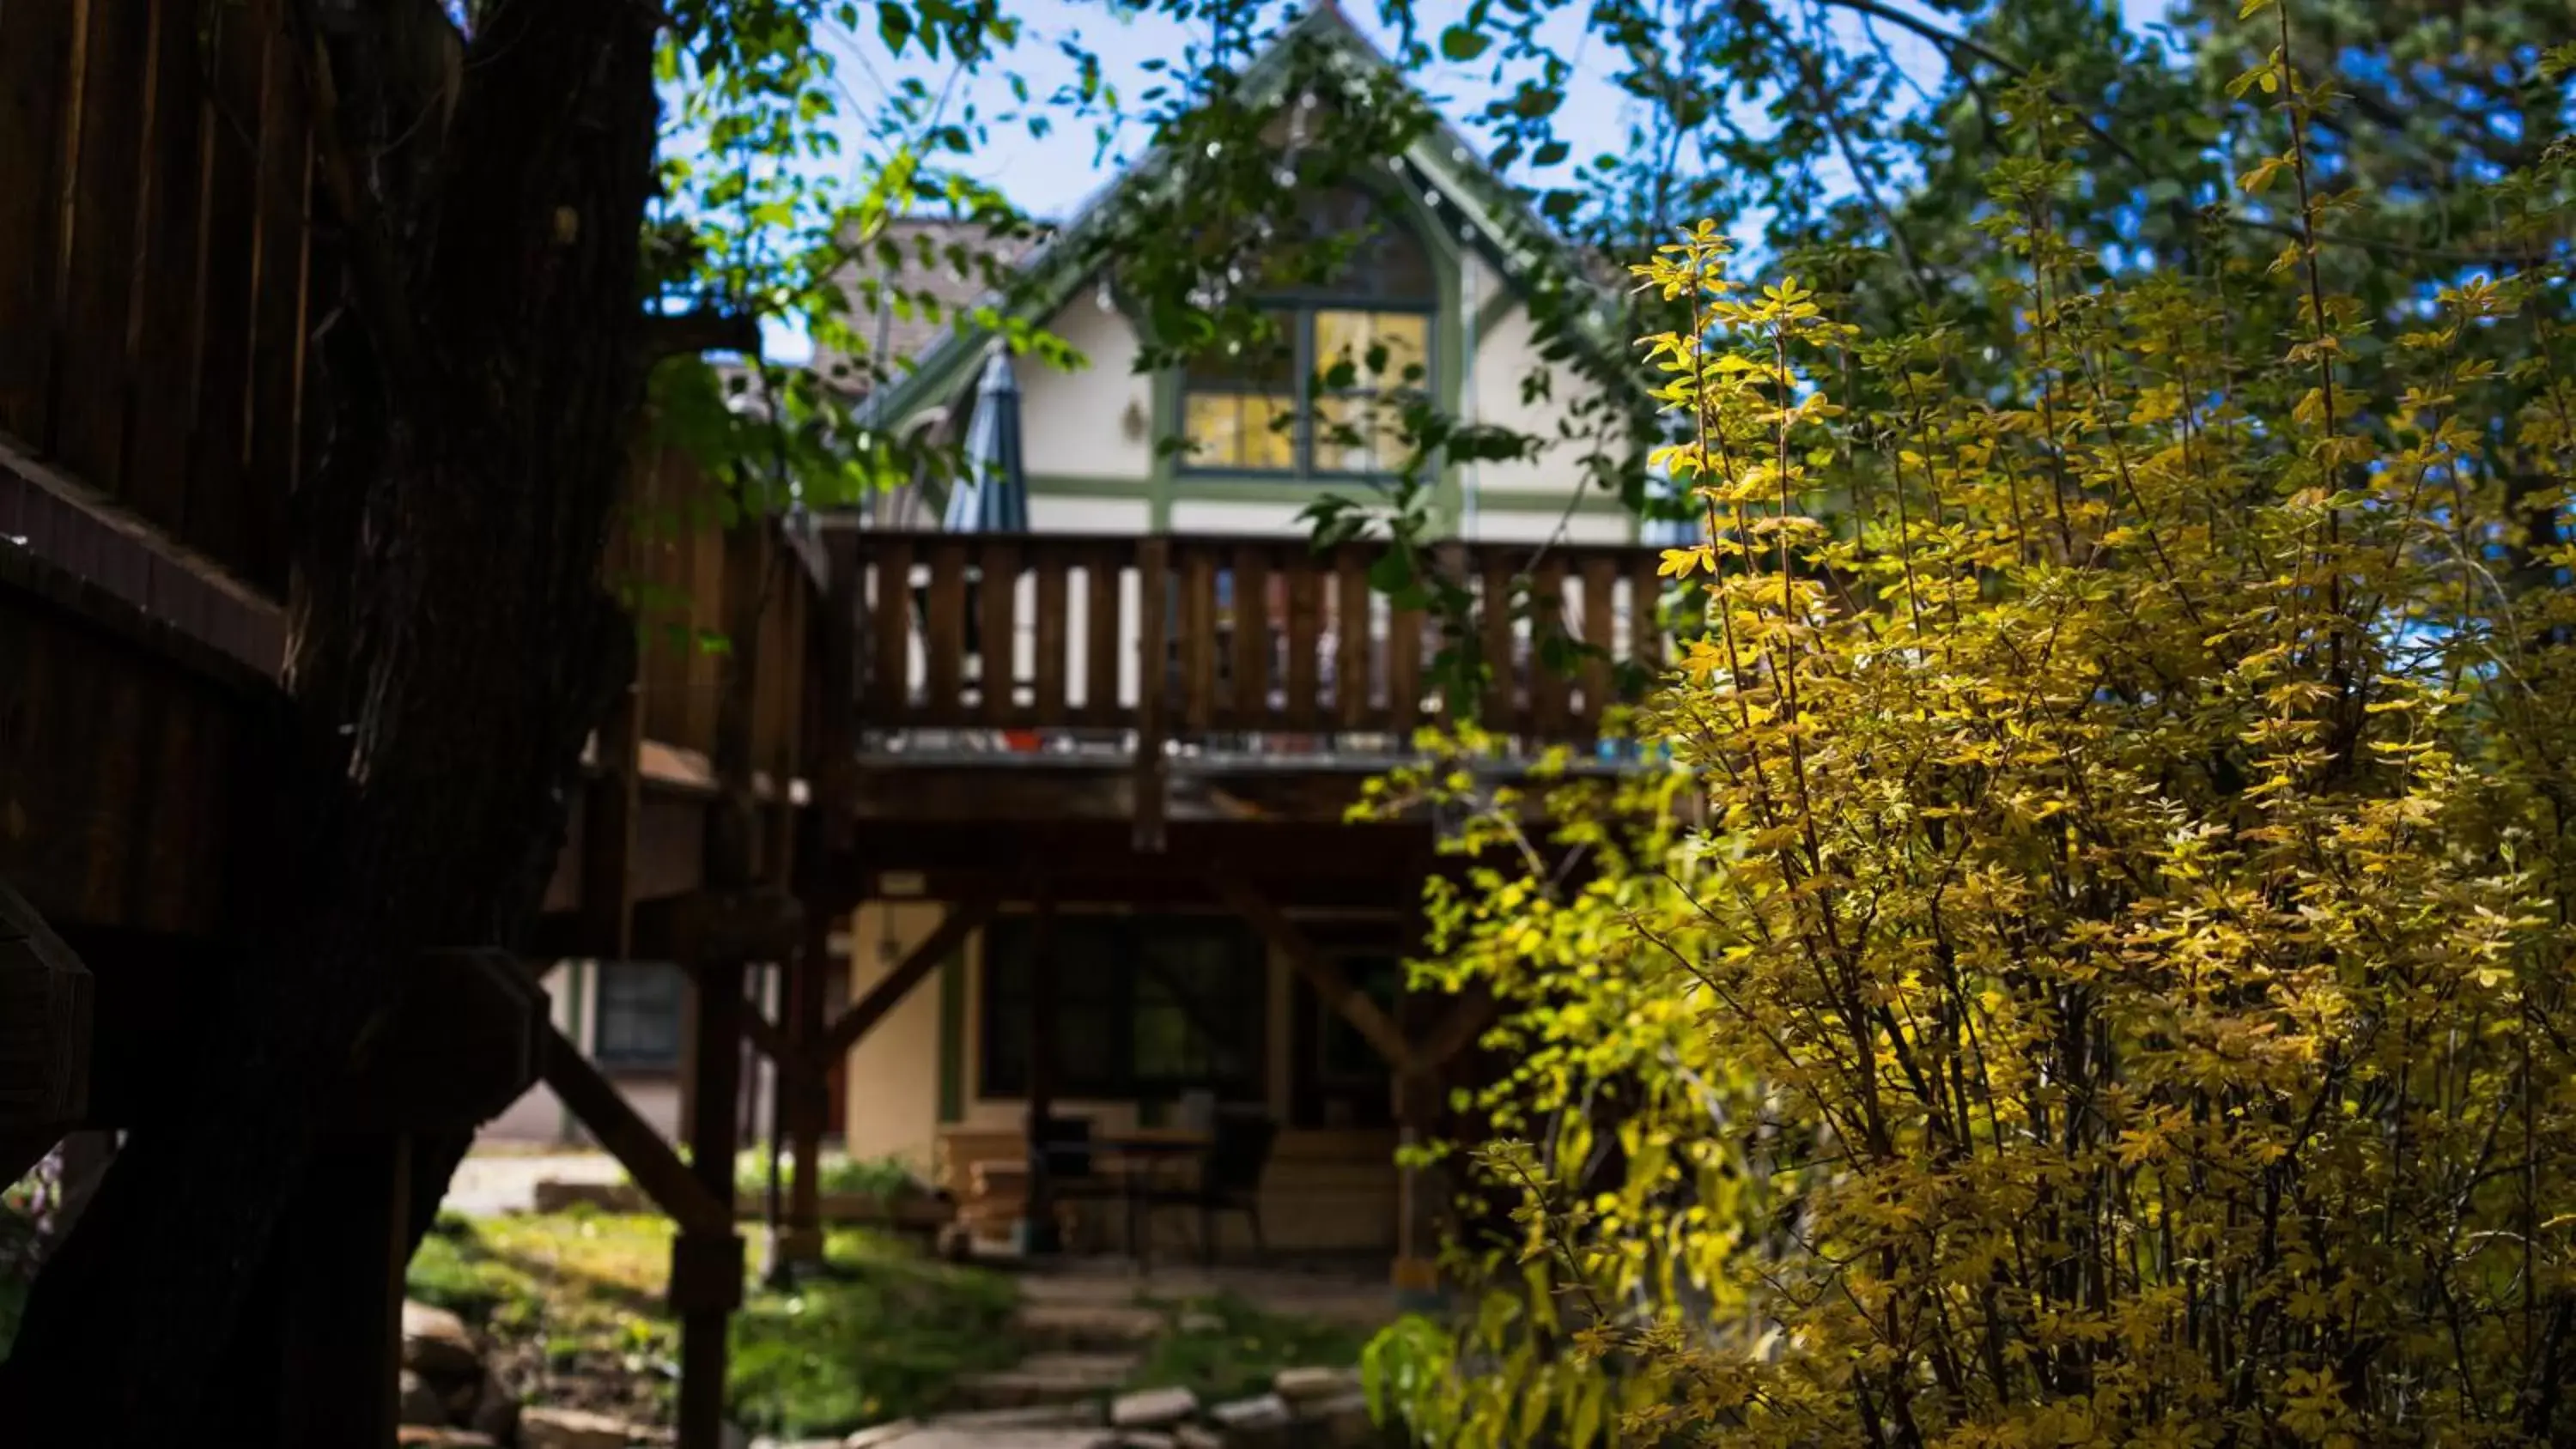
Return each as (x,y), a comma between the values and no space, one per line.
(952,1040)
(1075,485)
(1592,504)
(1166,463)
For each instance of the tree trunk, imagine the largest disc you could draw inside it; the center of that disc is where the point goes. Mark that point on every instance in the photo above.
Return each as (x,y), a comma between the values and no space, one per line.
(451,647)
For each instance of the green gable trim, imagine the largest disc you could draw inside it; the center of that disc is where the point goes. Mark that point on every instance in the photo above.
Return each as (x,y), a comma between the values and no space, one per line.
(1079,485)
(1504,229)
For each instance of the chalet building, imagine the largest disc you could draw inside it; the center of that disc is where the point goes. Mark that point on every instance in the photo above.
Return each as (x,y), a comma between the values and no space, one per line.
(1142,905)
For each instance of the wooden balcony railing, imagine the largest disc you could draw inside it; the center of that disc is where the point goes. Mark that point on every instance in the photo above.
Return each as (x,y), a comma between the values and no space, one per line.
(1252,636)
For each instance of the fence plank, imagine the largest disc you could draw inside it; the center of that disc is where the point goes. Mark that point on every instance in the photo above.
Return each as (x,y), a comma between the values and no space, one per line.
(36,87)
(1052,626)
(1104,571)
(98,244)
(1305,631)
(997,644)
(1250,699)
(279,251)
(944,634)
(1502,687)
(217,508)
(164,343)
(890,671)
(1198,639)
(1351,636)
(1547,679)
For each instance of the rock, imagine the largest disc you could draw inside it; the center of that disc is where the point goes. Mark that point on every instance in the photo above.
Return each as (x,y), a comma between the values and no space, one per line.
(1198,1321)
(422,1405)
(1152,1408)
(1147,1439)
(1261,1421)
(1297,1385)
(436,1343)
(1082,1413)
(438,1436)
(876,1436)
(934,1436)
(1044,1378)
(1268,1411)
(1191,1436)
(548,1428)
(1344,1418)
(496,1410)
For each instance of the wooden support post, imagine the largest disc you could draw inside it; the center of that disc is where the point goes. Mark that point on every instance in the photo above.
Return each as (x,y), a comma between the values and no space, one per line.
(341,1256)
(706,1268)
(1420,1191)
(1038,1211)
(800,1104)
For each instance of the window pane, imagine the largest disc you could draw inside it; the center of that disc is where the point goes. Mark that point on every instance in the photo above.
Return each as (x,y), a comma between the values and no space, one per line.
(1266,363)
(1360,433)
(1384,349)
(1241,430)
(640,1005)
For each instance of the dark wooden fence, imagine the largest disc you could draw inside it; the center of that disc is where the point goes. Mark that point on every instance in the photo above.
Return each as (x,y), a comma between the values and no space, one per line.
(155,261)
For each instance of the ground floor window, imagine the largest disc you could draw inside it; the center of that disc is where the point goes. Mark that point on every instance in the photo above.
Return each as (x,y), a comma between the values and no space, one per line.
(641,1006)
(1145,1007)
(1339,1078)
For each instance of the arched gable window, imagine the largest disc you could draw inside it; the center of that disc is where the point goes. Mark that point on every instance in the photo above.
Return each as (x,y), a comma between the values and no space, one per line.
(1349,347)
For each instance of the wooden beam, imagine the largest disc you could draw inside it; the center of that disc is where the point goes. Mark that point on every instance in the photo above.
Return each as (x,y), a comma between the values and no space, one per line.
(706,1267)
(750,923)
(765,1037)
(1469,1014)
(611,807)
(637,1147)
(45,1023)
(466,1040)
(1336,989)
(863,1014)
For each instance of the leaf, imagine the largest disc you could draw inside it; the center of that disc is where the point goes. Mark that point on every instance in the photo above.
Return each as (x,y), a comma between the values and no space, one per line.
(894,25)
(1550,154)
(1462,44)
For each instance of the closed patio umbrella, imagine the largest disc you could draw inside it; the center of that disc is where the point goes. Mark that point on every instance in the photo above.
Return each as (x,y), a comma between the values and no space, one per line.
(993,497)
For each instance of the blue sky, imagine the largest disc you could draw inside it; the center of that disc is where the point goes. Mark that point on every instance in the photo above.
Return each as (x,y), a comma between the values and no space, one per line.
(1050,176)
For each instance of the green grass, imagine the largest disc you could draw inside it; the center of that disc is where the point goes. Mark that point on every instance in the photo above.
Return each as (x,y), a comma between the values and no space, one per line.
(879,1335)
(1239,1350)
(880,1176)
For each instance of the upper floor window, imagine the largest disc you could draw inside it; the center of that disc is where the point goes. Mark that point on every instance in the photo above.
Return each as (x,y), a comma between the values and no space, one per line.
(1345,350)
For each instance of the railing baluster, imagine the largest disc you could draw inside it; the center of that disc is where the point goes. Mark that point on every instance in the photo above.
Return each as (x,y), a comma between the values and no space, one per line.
(997,677)
(1103,568)
(1502,689)
(1251,683)
(1351,636)
(1053,627)
(943,640)
(1547,676)
(1305,627)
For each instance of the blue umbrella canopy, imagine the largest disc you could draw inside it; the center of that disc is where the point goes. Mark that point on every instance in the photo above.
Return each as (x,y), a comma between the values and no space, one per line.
(993,497)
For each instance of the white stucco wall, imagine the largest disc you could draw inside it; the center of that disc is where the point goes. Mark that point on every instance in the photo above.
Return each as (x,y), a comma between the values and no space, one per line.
(891,1102)
(1117,517)
(1095,421)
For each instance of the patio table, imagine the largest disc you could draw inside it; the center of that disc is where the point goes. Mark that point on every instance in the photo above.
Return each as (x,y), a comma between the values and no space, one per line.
(1139,1154)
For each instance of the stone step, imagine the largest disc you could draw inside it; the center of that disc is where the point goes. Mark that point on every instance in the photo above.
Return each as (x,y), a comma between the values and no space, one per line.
(1045,1378)
(1089,1326)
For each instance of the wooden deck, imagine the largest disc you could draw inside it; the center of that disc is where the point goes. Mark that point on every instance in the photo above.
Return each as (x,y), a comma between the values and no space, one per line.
(1259,638)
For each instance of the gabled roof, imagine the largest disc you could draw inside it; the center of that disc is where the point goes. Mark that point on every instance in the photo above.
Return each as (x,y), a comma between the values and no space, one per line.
(1498,221)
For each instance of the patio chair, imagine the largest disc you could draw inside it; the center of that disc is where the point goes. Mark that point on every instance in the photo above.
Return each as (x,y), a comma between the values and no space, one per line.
(1229,1179)
(1063,1152)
